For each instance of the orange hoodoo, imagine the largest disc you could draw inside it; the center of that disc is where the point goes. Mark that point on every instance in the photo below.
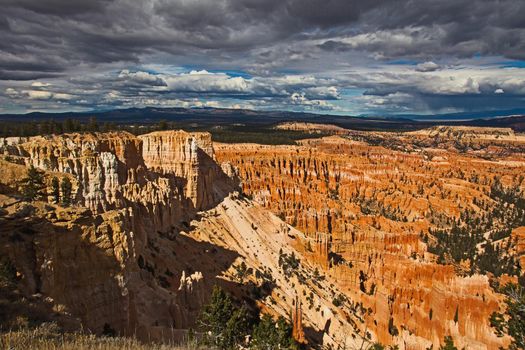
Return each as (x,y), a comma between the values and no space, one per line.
(297,320)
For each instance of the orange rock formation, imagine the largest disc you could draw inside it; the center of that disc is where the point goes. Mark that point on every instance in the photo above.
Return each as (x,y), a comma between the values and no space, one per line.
(367,208)
(156,222)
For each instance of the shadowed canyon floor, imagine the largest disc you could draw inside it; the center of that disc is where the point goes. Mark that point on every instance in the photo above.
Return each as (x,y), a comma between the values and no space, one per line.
(395,238)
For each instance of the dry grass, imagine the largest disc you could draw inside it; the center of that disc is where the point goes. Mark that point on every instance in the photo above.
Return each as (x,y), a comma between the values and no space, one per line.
(47,337)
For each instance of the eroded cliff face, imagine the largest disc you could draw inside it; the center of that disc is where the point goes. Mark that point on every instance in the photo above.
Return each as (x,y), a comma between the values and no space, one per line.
(372,207)
(189,157)
(156,222)
(133,255)
(116,256)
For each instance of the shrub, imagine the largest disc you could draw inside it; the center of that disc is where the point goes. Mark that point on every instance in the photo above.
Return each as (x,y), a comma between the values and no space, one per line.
(66,188)
(513,321)
(449,344)
(7,273)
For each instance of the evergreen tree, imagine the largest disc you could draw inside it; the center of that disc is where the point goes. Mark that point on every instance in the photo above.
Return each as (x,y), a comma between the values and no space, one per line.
(92,125)
(66,188)
(227,325)
(33,186)
(55,190)
(163,125)
(449,344)
(513,321)
(270,334)
(68,125)
(377,346)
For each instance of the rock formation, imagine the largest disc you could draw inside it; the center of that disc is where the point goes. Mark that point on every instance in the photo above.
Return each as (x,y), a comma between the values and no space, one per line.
(335,229)
(297,321)
(133,254)
(368,208)
(112,258)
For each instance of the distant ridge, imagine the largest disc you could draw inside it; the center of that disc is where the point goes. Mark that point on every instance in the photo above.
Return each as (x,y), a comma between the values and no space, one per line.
(466,115)
(209,117)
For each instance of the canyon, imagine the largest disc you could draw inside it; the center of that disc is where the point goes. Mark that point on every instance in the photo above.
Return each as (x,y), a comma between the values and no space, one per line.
(366,208)
(158,219)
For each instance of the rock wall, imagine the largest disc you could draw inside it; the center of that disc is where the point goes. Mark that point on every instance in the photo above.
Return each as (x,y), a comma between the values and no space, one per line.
(115,258)
(132,252)
(189,157)
(374,206)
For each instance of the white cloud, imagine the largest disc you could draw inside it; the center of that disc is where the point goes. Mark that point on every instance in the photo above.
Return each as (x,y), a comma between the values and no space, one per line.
(63,97)
(39,84)
(460,80)
(38,95)
(204,81)
(323,93)
(12,92)
(427,67)
(301,99)
(141,77)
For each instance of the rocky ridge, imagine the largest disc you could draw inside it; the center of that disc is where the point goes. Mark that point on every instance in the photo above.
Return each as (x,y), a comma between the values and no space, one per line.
(373,206)
(335,224)
(156,222)
(126,198)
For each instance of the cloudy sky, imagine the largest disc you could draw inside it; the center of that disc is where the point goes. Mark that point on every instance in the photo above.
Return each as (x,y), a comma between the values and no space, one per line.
(375,57)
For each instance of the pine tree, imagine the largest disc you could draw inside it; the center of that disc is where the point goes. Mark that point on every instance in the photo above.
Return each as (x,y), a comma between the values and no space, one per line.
(163,125)
(55,190)
(33,186)
(68,125)
(92,125)
(269,334)
(226,323)
(66,188)
(449,344)
(513,321)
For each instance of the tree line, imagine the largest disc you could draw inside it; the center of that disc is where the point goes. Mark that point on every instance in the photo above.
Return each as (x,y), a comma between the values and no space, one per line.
(69,125)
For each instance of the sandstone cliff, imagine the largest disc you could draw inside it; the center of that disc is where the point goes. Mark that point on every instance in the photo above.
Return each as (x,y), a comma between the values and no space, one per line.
(145,240)
(114,257)
(372,207)
(156,222)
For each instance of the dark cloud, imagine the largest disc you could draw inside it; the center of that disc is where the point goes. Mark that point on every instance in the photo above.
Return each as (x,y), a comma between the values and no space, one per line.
(126,31)
(59,7)
(84,46)
(334,45)
(24,75)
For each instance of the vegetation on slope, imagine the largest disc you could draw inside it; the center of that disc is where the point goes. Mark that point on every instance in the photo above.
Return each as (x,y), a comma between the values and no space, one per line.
(228,326)
(512,322)
(492,233)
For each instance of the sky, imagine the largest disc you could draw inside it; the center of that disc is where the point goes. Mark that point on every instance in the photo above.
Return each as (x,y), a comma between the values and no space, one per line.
(354,57)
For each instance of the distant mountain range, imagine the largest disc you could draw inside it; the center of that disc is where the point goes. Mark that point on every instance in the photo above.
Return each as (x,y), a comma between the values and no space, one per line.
(210,117)
(466,115)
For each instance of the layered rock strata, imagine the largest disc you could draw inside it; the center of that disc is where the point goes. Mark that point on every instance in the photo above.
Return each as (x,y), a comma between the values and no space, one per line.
(113,259)
(373,206)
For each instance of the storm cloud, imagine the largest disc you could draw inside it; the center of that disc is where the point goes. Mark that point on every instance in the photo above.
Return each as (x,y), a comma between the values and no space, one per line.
(341,56)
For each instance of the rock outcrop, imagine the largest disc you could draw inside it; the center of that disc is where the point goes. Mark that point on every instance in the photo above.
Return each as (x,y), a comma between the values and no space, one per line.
(114,259)
(373,207)
(333,231)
